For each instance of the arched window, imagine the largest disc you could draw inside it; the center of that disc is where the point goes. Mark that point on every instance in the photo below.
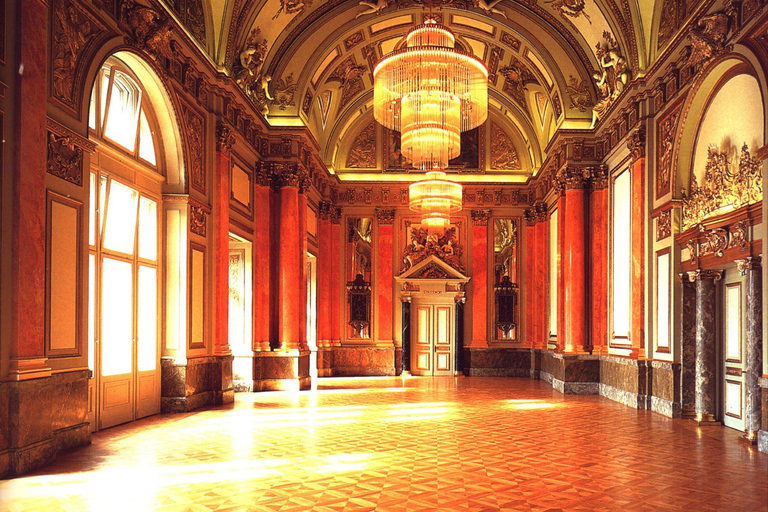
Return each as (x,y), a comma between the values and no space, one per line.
(120,115)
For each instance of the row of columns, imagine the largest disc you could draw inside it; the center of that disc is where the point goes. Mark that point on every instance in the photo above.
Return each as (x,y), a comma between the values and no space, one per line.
(699,357)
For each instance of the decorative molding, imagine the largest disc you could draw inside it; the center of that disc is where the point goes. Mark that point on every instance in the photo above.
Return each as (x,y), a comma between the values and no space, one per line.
(225,139)
(699,274)
(385,216)
(574,178)
(750,263)
(65,159)
(664,225)
(150,30)
(480,217)
(723,189)
(718,240)
(432,271)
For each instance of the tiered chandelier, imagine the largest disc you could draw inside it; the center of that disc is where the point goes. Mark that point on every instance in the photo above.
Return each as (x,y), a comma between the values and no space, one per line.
(430,92)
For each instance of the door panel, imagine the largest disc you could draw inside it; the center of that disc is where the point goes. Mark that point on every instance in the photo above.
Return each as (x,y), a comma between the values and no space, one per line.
(733,350)
(422,346)
(443,340)
(117,402)
(432,347)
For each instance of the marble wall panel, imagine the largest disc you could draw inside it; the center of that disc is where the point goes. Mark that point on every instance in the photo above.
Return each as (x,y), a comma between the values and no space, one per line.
(201,381)
(363,361)
(497,362)
(4,410)
(620,373)
(687,369)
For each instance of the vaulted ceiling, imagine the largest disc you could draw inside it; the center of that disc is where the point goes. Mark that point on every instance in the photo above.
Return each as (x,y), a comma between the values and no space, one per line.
(310,63)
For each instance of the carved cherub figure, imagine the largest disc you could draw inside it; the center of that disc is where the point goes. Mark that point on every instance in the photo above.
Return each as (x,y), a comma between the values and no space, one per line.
(490,7)
(373,8)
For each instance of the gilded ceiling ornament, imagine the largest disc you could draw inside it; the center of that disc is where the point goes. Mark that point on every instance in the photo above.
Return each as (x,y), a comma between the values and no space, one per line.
(707,38)
(723,189)
(423,244)
(324,102)
(490,7)
(248,66)
(284,91)
(503,152)
(373,8)
(293,7)
(572,8)
(612,76)
(150,29)
(350,77)
(362,154)
(517,77)
(581,99)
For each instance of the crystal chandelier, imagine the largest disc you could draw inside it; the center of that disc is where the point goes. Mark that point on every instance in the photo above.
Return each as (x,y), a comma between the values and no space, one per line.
(430,92)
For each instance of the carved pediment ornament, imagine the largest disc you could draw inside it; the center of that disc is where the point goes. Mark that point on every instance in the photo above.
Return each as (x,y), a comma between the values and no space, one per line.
(423,244)
(723,189)
(432,271)
(150,30)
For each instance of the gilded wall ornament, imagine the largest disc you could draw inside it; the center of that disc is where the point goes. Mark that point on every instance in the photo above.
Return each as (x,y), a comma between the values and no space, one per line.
(664,225)
(73,31)
(570,8)
(198,218)
(65,159)
(385,216)
(225,139)
(516,77)
(511,41)
(194,130)
(372,8)
(636,143)
(292,7)
(284,90)
(349,75)
(503,152)
(480,217)
(579,94)
(362,154)
(423,244)
(707,38)
(150,29)
(723,189)
(612,76)
(665,141)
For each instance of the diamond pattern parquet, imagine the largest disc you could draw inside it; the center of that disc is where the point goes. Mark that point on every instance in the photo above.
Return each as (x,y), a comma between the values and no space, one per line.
(404,444)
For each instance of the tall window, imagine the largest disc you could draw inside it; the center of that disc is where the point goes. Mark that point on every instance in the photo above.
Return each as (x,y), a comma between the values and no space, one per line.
(121,114)
(621,256)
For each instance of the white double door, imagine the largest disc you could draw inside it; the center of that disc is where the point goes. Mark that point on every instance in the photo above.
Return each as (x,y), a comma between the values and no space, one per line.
(734,327)
(433,337)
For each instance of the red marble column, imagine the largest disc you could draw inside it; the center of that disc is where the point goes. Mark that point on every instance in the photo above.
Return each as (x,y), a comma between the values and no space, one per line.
(336,323)
(542,291)
(636,144)
(262,291)
(303,261)
(225,139)
(27,318)
(598,237)
(480,277)
(291,295)
(562,222)
(575,275)
(385,284)
(530,278)
(324,269)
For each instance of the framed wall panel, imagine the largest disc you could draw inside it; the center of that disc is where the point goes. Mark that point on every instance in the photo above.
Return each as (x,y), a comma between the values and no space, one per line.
(621,257)
(663,300)
(197,296)
(240,187)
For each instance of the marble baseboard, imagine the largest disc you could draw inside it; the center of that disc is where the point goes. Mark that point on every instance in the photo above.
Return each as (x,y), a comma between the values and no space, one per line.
(281,371)
(576,388)
(667,408)
(581,368)
(764,403)
(197,383)
(625,397)
(242,386)
(762,440)
(497,372)
(364,361)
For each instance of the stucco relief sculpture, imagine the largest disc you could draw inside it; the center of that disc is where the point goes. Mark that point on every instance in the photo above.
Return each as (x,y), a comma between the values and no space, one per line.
(373,8)
(423,244)
(150,29)
(490,7)
(579,94)
(292,7)
(349,75)
(250,59)
(612,76)
(707,38)
(65,159)
(722,189)
(665,148)
(362,154)
(570,8)
(284,90)
(72,32)
(503,152)
(517,76)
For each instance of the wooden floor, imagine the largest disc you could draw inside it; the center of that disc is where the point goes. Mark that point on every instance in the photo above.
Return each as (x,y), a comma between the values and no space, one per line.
(404,444)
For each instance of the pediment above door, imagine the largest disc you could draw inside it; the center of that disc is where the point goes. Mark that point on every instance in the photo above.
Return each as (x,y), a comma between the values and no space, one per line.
(432,276)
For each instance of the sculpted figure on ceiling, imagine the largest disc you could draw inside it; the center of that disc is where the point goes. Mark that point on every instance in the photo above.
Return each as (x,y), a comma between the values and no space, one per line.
(707,38)
(490,7)
(572,8)
(612,76)
(373,8)
(251,58)
(291,7)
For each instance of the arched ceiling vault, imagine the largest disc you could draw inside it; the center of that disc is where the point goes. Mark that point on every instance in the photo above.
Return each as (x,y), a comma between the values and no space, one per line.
(315,58)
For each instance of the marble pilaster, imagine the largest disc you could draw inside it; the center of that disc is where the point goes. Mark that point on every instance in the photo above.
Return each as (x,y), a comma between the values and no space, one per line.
(706,344)
(687,366)
(754,347)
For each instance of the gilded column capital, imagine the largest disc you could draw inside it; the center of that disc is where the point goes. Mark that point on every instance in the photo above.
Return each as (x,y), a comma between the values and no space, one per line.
(225,139)
(335,214)
(749,263)
(480,217)
(263,174)
(530,216)
(699,274)
(574,178)
(324,210)
(599,178)
(385,216)
(540,211)
(288,175)
(636,143)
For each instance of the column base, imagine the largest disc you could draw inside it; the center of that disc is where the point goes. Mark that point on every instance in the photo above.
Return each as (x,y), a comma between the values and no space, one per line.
(762,440)
(749,437)
(705,420)
(325,361)
(688,414)
(283,370)
(195,383)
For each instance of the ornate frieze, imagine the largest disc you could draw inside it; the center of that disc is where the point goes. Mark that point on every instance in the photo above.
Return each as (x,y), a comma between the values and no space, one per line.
(701,274)
(225,139)
(422,244)
(362,154)
(723,189)
(664,225)
(480,217)
(72,32)
(385,216)
(150,30)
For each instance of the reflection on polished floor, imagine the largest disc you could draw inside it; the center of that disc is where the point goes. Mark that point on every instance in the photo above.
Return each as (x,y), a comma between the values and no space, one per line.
(404,444)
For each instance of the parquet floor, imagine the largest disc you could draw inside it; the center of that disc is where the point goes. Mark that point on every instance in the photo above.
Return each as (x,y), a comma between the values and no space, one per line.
(393,444)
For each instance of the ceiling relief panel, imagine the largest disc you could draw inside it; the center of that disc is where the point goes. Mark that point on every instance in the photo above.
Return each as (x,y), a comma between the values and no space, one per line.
(674,13)
(516,77)
(503,152)
(362,154)
(349,76)
(192,16)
